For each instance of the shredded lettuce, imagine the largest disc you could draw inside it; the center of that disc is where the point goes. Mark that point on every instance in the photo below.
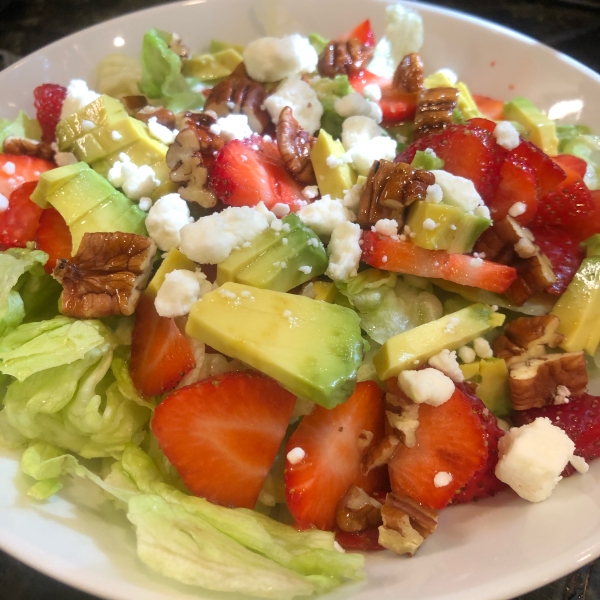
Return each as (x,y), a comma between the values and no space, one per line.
(118,75)
(427,160)
(22,126)
(586,147)
(328,91)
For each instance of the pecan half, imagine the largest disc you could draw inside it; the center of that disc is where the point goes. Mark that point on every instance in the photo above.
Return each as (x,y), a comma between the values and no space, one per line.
(295,144)
(133,104)
(357,511)
(238,94)
(163,116)
(434,110)
(534,383)
(409,74)
(379,454)
(390,187)
(106,275)
(26,147)
(403,417)
(406,524)
(344,58)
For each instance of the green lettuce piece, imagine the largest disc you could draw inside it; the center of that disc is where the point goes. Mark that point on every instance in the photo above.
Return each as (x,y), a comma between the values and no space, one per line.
(318,42)
(120,369)
(161,74)
(118,75)
(328,91)
(586,147)
(22,127)
(427,161)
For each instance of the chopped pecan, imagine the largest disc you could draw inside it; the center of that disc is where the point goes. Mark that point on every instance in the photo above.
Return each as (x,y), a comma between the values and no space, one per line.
(434,110)
(365,439)
(344,58)
(133,104)
(409,74)
(26,147)
(295,144)
(106,275)
(390,187)
(508,243)
(178,47)
(184,158)
(379,454)
(403,417)
(163,116)
(357,511)
(534,383)
(238,94)
(406,524)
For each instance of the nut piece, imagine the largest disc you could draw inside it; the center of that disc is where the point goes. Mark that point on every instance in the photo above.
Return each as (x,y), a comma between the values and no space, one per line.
(163,116)
(409,74)
(106,275)
(26,147)
(295,144)
(389,189)
(344,58)
(406,524)
(133,104)
(379,454)
(434,110)
(238,94)
(403,417)
(357,511)
(534,383)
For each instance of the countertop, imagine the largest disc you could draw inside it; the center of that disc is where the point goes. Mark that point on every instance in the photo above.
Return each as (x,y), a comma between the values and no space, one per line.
(571,26)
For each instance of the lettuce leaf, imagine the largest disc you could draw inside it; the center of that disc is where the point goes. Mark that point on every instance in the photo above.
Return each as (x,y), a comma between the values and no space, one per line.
(118,75)
(328,91)
(22,126)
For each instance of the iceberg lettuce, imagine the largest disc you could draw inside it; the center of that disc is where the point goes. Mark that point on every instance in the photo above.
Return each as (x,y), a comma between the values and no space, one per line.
(22,126)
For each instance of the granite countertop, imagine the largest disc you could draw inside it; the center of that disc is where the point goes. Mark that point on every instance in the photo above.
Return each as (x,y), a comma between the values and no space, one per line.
(571,26)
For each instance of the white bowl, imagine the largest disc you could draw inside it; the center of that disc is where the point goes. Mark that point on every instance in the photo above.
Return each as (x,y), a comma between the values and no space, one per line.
(492,550)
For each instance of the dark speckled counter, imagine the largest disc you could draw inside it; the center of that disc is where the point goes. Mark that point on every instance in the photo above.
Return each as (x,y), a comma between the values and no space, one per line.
(571,26)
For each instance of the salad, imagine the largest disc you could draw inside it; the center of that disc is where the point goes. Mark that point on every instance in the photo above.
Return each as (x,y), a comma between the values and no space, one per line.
(285,302)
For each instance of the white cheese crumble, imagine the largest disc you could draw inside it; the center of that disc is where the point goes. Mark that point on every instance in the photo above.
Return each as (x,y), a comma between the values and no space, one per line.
(281,210)
(452,323)
(532,457)
(445,361)
(372,92)
(354,104)
(562,395)
(233,127)
(136,182)
(434,194)
(87,126)
(310,191)
(506,135)
(428,386)
(352,196)
(429,224)
(365,154)
(145,203)
(324,215)
(295,455)
(3,203)
(160,132)
(225,293)
(517,209)
(116,136)
(305,269)
(476,262)
(165,220)
(344,251)
(579,464)
(386,227)
(333,162)
(466,354)
(442,479)
(458,191)
(482,348)
(78,96)
(9,167)
(180,290)
(359,130)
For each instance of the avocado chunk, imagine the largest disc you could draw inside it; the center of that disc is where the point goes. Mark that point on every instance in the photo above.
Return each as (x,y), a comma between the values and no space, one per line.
(208,67)
(333,181)
(218,46)
(412,348)
(541,129)
(312,348)
(491,375)
(173,261)
(54,180)
(325,291)
(442,217)
(468,230)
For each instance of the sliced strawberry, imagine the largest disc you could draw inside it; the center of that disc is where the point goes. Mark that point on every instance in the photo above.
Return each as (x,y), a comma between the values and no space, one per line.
(383,252)
(491,108)
(160,354)
(329,438)
(484,482)
(19,222)
(579,419)
(468,151)
(563,251)
(362,33)
(450,439)
(359,80)
(222,434)
(53,236)
(359,541)
(17,170)
(549,174)
(397,106)
(574,163)
(48,100)
(246,172)
(518,183)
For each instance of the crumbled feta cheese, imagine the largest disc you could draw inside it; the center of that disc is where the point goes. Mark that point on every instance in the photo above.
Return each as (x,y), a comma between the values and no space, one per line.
(280,264)
(116,136)
(466,354)
(324,215)
(3,203)
(9,167)
(333,162)
(352,196)
(301,98)
(262,209)
(234,127)
(78,96)
(579,464)
(359,130)
(276,225)
(517,209)
(62,159)
(482,348)
(354,104)
(442,479)
(532,457)
(434,194)
(313,242)
(215,129)
(295,455)
(562,395)
(476,262)
(482,211)
(428,386)
(310,191)
(384,259)
(165,220)
(145,204)
(305,269)
(211,239)
(180,290)
(386,227)
(344,251)
(87,126)
(365,154)
(274,59)
(281,210)
(286,227)
(429,224)
(372,92)
(225,293)
(135,181)
(160,132)
(452,323)
(506,135)
(404,31)
(458,191)
(445,361)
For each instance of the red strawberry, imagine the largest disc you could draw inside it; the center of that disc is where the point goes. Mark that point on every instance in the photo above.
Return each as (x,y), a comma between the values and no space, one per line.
(49,99)
(17,170)
(579,419)
(450,439)
(518,183)
(548,173)
(160,354)
(491,108)
(359,80)
(484,482)
(54,237)
(467,150)
(315,485)
(397,106)
(572,162)
(359,541)
(563,251)
(19,222)
(363,33)
(246,172)
(222,434)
